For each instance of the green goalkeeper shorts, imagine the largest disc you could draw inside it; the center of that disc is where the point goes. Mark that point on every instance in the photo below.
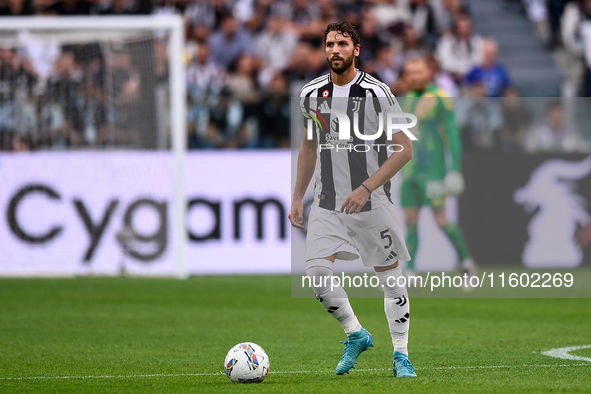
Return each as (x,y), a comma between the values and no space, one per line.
(415,193)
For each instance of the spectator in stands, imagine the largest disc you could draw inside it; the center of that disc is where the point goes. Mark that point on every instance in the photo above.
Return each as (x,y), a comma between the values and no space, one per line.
(480,119)
(303,14)
(371,41)
(446,13)
(576,36)
(302,69)
(71,7)
(204,83)
(412,46)
(537,12)
(244,85)
(555,134)
(280,39)
(7,115)
(516,121)
(443,80)
(120,7)
(226,123)
(423,20)
(253,14)
(21,144)
(556,10)
(66,86)
(384,67)
(92,115)
(229,43)
(16,8)
(490,74)
(390,13)
(275,114)
(167,7)
(206,14)
(17,78)
(328,12)
(461,50)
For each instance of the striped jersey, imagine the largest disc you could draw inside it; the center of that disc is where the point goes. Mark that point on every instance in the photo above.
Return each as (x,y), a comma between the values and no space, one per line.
(340,171)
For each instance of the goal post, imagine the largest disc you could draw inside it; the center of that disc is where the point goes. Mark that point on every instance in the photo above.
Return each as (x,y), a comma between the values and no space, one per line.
(168,98)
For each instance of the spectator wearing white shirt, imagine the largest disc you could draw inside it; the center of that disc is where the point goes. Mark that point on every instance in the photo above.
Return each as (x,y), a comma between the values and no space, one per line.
(282,42)
(576,36)
(461,50)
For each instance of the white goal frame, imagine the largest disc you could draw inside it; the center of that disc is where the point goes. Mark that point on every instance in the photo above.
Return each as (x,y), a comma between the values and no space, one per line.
(177,83)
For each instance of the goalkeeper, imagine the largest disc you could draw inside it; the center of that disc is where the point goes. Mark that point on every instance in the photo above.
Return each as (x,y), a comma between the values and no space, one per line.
(434,171)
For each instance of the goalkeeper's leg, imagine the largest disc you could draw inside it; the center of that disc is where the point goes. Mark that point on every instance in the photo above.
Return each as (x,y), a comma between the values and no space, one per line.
(411,198)
(411,217)
(454,233)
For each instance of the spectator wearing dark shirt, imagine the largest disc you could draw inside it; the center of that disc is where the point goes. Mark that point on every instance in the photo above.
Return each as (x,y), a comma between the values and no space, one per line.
(226,123)
(274,115)
(516,121)
(491,74)
(423,20)
(371,42)
(229,43)
(412,46)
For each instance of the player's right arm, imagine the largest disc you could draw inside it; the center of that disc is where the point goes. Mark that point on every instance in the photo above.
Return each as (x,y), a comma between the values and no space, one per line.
(305,171)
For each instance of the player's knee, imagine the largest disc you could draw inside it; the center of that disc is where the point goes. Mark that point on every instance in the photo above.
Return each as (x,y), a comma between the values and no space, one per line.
(393,284)
(440,218)
(411,216)
(319,272)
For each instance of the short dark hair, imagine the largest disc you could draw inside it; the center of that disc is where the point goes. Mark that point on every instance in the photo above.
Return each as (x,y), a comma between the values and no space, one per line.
(344,28)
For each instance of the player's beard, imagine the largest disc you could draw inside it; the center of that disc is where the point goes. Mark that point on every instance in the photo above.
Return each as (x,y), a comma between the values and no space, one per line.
(344,66)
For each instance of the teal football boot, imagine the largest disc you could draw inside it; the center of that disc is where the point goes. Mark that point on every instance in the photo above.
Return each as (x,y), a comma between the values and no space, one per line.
(402,367)
(357,343)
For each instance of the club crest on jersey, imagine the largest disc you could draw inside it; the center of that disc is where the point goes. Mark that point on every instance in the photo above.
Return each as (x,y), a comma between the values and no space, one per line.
(356,104)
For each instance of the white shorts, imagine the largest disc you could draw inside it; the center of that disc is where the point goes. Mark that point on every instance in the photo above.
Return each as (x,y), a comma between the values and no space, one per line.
(376,236)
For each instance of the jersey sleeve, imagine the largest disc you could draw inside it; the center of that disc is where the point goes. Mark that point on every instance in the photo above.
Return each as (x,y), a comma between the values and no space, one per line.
(307,102)
(389,104)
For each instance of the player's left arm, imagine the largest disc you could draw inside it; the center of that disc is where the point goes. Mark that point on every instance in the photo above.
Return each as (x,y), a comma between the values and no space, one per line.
(357,199)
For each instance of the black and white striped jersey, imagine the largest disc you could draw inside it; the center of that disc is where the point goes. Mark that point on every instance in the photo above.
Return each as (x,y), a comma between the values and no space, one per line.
(340,171)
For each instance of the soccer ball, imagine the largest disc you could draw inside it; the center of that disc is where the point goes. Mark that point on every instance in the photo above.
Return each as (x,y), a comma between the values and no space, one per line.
(247,362)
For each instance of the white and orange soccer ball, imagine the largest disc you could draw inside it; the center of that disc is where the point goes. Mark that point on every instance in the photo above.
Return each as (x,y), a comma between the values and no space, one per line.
(247,362)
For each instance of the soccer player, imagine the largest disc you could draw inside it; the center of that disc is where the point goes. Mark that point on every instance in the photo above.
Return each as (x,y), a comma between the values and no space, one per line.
(353,215)
(434,172)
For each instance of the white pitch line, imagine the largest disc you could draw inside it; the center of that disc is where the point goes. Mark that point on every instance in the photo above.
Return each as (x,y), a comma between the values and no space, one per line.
(564,353)
(174,375)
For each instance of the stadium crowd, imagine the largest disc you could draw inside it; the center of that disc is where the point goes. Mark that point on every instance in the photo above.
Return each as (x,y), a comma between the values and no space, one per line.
(246,58)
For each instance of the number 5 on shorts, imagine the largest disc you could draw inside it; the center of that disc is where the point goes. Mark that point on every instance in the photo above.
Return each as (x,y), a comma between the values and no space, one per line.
(384,234)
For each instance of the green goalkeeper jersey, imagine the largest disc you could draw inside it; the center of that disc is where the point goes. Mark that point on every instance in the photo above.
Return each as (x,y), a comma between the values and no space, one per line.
(437,149)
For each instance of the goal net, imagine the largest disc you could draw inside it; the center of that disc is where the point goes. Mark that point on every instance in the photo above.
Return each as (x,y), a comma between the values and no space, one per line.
(92,140)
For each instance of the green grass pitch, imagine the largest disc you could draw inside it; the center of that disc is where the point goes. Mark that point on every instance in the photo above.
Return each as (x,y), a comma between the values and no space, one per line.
(129,335)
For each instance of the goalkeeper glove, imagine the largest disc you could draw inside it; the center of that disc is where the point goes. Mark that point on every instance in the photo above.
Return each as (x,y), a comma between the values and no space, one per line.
(454,183)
